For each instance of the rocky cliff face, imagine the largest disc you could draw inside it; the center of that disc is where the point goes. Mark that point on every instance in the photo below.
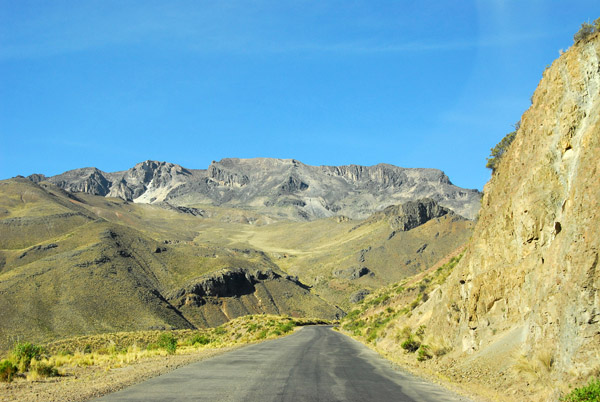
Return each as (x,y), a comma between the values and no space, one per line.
(282,188)
(216,298)
(411,214)
(528,284)
(146,182)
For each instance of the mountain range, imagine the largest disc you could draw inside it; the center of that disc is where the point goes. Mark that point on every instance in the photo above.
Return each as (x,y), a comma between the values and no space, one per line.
(161,246)
(279,188)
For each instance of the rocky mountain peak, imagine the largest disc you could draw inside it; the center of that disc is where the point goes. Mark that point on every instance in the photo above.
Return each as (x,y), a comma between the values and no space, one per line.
(281,188)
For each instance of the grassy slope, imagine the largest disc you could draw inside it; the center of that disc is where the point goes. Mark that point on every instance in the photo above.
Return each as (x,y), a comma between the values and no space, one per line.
(314,250)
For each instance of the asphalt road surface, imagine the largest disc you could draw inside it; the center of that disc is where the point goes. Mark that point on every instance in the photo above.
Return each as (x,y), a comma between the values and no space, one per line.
(313,364)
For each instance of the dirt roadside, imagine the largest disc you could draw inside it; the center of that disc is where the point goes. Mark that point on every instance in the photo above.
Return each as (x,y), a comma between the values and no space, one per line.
(84,383)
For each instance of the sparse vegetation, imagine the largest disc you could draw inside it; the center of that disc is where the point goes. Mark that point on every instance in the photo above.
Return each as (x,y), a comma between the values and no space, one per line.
(116,350)
(588,393)
(536,368)
(500,149)
(382,311)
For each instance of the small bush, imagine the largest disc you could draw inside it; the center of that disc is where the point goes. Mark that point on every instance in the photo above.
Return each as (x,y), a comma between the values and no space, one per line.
(410,344)
(39,369)
(423,353)
(23,353)
(352,315)
(199,339)
(590,392)
(262,334)
(168,342)
(500,149)
(7,370)
(220,331)
(286,327)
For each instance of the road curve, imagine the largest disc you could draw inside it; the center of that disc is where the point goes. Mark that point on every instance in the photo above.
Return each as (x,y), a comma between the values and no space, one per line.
(313,364)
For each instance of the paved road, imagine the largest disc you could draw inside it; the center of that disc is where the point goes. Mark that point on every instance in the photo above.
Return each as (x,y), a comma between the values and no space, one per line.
(313,364)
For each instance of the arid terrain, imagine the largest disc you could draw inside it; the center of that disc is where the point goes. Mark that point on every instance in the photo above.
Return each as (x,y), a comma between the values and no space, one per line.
(495,295)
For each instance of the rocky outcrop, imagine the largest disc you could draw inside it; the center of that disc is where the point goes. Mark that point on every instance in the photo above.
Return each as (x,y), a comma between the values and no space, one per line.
(218,297)
(276,187)
(36,177)
(529,282)
(352,273)
(221,175)
(149,181)
(359,295)
(86,180)
(411,214)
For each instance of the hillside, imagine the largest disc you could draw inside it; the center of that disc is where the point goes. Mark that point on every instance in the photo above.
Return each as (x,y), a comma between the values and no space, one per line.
(279,188)
(65,270)
(75,263)
(518,316)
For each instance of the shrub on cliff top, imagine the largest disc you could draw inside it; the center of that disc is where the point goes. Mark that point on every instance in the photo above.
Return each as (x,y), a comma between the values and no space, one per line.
(500,149)
(586,30)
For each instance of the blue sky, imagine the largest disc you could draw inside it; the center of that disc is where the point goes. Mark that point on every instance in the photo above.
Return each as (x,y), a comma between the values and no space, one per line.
(411,83)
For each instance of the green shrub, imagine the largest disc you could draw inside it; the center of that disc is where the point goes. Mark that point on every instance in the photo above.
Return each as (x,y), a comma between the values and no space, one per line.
(168,342)
(588,393)
(423,353)
(416,302)
(23,353)
(199,339)
(410,344)
(7,370)
(262,334)
(500,149)
(43,370)
(286,327)
(220,331)
(352,315)
(372,336)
